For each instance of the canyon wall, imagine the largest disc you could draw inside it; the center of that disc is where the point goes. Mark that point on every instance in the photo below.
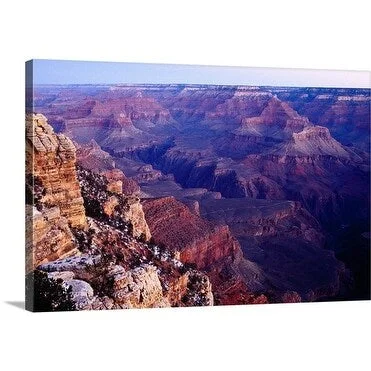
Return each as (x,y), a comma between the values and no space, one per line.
(48,236)
(53,188)
(51,158)
(303,151)
(209,247)
(88,241)
(196,240)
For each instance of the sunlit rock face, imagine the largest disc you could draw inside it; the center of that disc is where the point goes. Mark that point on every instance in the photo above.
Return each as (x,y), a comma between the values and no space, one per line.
(87,237)
(49,236)
(53,189)
(51,158)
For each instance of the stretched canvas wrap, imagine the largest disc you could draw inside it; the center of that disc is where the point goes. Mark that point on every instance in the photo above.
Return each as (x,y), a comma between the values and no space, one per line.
(173,186)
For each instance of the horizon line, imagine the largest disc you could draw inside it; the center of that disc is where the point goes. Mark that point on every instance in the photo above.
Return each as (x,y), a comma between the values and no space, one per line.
(197,84)
(70,72)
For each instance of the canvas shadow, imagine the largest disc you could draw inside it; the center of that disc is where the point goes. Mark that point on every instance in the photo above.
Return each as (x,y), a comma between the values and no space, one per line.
(18,304)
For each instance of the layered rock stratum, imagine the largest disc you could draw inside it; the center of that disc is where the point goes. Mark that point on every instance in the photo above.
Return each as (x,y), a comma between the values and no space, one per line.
(51,158)
(53,189)
(208,246)
(299,157)
(91,240)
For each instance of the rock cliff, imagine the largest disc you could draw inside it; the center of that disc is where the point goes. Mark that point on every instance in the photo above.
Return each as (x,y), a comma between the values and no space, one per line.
(277,120)
(115,270)
(197,240)
(48,236)
(209,247)
(286,243)
(104,201)
(52,187)
(91,239)
(314,141)
(51,158)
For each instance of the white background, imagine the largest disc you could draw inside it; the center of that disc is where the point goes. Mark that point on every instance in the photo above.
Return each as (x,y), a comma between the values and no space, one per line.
(313,34)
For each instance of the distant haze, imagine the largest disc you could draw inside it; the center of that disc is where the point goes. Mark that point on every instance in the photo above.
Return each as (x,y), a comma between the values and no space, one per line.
(82,72)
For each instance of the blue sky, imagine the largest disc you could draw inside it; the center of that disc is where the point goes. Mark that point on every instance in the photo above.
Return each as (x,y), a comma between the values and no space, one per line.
(82,72)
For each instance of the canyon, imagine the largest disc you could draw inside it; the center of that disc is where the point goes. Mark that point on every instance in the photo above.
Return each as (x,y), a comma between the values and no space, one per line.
(254,187)
(88,246)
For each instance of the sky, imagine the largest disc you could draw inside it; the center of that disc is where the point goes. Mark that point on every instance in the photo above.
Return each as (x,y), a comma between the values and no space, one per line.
(83,72)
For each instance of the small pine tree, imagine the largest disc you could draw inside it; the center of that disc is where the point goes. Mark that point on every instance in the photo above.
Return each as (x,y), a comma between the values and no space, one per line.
(48,294)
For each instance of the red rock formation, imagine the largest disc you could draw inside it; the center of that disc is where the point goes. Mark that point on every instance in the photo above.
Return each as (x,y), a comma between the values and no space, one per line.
(346,112)
(115,207)
(197,240)
(235,292)
(51,158)
(100,262)
(119,183)
(211,248)
(314,141)
(48,237)
(105,120)
(92,157)
(126,273)
(277,119)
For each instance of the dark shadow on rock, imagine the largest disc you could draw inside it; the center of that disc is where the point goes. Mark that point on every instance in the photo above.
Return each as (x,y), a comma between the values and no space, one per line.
(17,304)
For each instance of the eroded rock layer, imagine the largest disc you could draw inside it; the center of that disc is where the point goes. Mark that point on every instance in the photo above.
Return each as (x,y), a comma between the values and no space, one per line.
(302,151)
(49,236)
(51,158)
(209,247)
(88,241)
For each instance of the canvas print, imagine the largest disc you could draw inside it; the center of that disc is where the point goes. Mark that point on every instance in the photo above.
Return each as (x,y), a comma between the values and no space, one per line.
(152,186)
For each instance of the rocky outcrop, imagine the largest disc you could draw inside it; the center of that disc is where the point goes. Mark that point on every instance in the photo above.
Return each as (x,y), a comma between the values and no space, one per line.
(192,288)
(315,141)
(51,158)
(119,183)
(109,189)
(103,261)
(209,247)
(104,200)
(345,112)
(137,288)
(113,270)
(137,218)
(117,271)
(48,236)
(277,120)
(197,240)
